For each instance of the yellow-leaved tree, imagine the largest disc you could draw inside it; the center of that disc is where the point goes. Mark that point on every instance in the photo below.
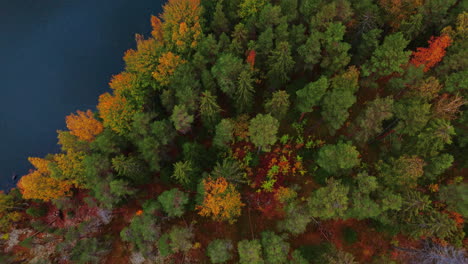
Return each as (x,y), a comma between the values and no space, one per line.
(39,185)
(181,25)
(222,202)
(168,63)
(116,112)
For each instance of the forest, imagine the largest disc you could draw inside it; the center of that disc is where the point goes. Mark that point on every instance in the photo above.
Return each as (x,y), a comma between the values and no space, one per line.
(263,132)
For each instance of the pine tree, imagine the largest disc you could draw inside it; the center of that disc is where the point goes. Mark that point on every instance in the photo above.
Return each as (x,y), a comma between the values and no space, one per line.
(281,63)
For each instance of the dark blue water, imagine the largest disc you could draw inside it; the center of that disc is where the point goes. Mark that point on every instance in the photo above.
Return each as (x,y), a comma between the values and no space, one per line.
(57,56)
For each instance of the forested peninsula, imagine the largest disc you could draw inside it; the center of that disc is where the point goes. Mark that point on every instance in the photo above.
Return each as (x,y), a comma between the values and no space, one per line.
(263,132)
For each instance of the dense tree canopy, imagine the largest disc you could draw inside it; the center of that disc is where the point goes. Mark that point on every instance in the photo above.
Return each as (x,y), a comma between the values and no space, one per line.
(257,131)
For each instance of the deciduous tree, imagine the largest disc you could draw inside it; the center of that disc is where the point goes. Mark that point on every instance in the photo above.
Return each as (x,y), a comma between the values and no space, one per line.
(263,130)
(340,257)
(456,197)
(84,125)
(181,119)
(402,172)
(338,158)
(435,253)
(116,113)
(168,63)
(224,133)
(143,61)
(278,105)
(275,249)
(173,202)
(179,239)
(330,201)
(297,217)
(369,121)
(447,106)
(222,201)
(433,54)
(250,252)
(10,211)
(433,138)
(144,229)
(219,250)
(39,185)
(437,165)
(413,114)
(69,167)
(181,27)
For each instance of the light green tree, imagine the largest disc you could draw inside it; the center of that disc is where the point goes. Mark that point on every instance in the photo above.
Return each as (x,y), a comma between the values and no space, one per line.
(278,105)
(181,119)
(219,250)
(263,130)
(275,249)
(338,158)
(182,172)
(330,201)
(173,202)
(224,133)
(250,252)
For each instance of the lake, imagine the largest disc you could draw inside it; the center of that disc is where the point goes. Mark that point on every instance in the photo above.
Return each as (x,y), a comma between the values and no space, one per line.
(58,57)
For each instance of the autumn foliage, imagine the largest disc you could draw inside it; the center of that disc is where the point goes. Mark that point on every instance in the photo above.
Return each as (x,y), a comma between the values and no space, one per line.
(448,107)
(182,23)
(168,63)
(221,200)
(39,185)
(115,112)
(83,125)
(156,24)
(122,82)
(251,58)
(399,10)
(433,54)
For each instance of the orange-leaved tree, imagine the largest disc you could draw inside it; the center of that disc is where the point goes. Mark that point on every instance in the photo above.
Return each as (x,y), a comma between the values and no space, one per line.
(116,112)
(433,54)
(168,64)
(221,200)
(129,85)
(123,82)
(83,125)
(251,58)
(143,60)
(39,185)
(157,31)
(182,23)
